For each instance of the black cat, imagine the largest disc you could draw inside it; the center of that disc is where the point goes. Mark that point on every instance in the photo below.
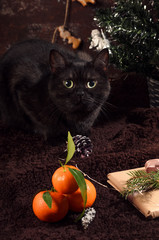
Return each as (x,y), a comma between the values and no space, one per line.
(50,90)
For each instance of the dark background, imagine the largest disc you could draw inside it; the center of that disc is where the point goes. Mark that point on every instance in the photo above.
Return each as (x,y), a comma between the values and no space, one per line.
(20,20)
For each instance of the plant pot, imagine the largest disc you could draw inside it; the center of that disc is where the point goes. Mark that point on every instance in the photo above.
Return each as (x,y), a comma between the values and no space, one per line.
(153,88)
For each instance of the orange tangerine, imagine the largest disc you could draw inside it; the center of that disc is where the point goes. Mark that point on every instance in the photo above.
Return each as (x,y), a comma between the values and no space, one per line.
(63,181)
(58,210)
(75,199)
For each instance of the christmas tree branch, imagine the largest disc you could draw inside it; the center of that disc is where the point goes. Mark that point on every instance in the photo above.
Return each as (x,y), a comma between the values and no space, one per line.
(132,27)
(140,182)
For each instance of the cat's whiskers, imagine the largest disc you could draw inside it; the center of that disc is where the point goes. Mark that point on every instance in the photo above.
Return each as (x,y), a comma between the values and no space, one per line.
(106,107)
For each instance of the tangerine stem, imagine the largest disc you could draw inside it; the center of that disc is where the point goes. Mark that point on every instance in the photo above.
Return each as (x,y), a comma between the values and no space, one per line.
(80,216)
(62,165)
(52,189)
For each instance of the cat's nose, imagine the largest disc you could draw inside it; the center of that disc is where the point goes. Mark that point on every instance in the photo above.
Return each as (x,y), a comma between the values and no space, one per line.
(80,93)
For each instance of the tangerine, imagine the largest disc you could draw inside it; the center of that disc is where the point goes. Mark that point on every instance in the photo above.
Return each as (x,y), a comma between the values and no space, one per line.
(63,180)
(75,199)
(58,210)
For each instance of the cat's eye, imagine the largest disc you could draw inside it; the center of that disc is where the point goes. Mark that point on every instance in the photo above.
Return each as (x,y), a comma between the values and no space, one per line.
(68,83)
(91,84)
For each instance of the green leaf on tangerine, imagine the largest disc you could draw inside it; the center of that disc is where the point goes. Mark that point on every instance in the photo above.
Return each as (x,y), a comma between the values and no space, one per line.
(81,183)
(70,148)
(47,198)
(83,187)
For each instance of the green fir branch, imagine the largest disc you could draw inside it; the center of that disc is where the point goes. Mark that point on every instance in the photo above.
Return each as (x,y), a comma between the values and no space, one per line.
(140,182)
(132,26)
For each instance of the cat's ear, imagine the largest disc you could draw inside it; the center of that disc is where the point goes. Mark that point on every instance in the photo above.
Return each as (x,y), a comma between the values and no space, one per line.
(102,60)
(56,60)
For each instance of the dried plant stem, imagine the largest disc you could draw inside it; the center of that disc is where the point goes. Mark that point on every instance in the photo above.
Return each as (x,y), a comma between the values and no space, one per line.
(86,175)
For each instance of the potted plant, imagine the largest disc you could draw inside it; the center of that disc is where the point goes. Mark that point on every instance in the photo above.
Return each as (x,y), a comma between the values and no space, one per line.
(132,27)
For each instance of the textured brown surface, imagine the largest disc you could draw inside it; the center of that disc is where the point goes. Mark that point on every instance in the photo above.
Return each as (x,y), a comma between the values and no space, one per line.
(27,164)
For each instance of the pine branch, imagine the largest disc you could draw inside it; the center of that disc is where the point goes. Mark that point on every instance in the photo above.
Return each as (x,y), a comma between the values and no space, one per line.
(140,182)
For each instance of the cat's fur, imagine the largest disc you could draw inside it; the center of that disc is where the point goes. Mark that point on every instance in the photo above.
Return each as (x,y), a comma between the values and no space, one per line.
(32,91)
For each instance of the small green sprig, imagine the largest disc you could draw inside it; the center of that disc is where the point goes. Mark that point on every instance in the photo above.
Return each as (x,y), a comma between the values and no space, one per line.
(140,182)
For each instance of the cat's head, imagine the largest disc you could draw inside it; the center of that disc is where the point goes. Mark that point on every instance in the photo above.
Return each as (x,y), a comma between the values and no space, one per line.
(79,86)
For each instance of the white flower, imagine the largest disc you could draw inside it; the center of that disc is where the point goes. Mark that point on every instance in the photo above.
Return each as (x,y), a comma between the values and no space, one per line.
(98,40)
(88,217)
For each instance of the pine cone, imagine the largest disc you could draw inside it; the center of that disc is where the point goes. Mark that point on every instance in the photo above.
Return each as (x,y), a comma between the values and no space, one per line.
(83,145)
